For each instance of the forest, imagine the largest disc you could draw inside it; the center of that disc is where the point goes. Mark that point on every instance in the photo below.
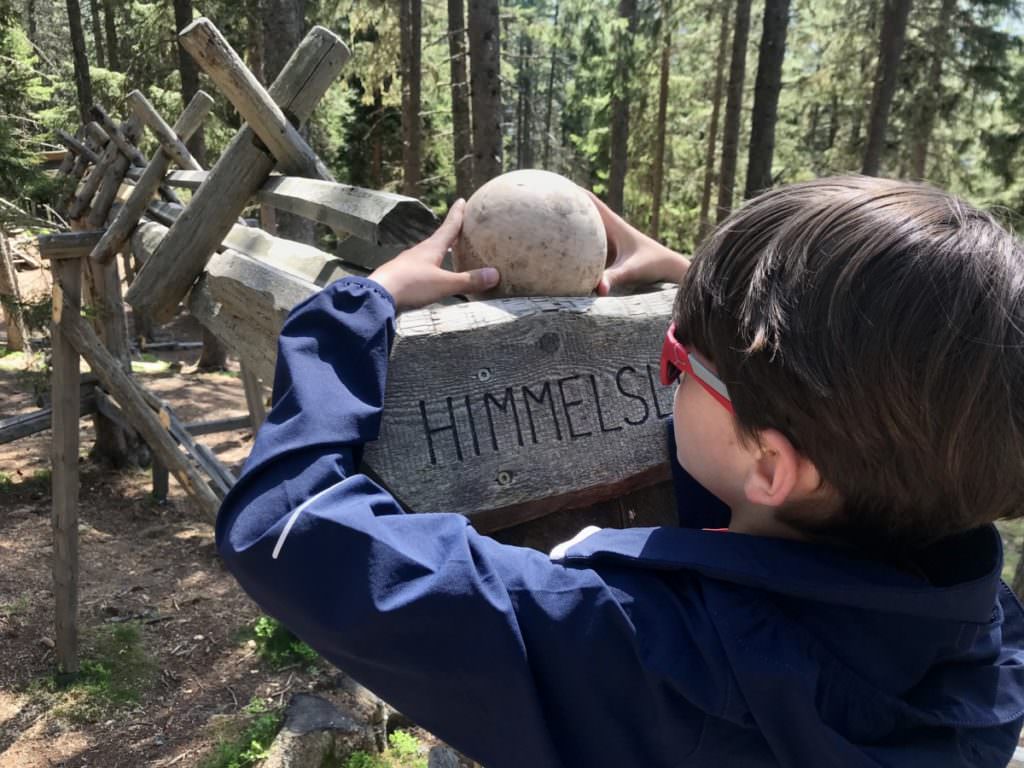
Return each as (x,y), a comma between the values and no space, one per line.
(673,111)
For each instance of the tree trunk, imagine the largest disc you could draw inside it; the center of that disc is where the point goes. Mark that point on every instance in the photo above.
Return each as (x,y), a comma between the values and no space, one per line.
(716,104)
(524,116)
(890,48)
(30,13)
(659,144)
(113,46)
(932,95)
(485,71)
(284,25)
(766,96)
(411,29)
(733,108)
(551,88)
(189,77)
(377,156)
(620,107)
(83,84)
(97,33)
(461,130)
(10,300)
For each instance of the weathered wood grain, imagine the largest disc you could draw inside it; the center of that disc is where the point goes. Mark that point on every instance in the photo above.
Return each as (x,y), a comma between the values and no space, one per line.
(381,218)
(68,245)
(172,140)
(64,461)
(254,396)
(219,61)
(130,213)
(489,403)
(385,221)
(241,170)
(117,133)
(77,147)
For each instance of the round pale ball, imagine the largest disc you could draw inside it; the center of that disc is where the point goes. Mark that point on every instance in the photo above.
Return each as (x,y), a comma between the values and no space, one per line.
(541,231)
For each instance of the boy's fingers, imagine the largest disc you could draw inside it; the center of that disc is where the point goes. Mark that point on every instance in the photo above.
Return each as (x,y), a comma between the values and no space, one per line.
(451,225)
(475,280)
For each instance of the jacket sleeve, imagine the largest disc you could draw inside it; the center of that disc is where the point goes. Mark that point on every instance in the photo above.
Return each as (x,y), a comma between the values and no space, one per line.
(484,644)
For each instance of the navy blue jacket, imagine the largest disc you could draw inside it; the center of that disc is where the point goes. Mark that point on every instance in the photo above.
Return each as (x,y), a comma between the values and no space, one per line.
(641,647)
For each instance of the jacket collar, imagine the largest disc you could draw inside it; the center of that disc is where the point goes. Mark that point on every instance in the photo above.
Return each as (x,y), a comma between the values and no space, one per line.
(967,568)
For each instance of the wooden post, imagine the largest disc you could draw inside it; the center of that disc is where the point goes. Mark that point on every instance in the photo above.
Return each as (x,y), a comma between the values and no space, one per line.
(117,134)
(151,179)
(254,397)
(77,148)
(225,67)
(67,274)
(242,168)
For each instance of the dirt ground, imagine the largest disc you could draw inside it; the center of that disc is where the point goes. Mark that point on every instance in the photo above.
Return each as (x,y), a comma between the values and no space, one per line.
(149,565)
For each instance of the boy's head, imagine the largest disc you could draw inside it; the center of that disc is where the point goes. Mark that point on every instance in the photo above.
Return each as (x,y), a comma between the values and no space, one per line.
(871,337)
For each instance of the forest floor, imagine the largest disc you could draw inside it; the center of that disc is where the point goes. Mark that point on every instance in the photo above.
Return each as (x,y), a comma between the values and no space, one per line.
(172,673)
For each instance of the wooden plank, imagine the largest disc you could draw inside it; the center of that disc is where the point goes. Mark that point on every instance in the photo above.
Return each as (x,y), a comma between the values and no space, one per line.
(230,424)
(130,213)
(488,402)
(64,462)
(241,170)
(172,140)
(68,245)
(137,411)
(16,427)
(218,59)
(380,218)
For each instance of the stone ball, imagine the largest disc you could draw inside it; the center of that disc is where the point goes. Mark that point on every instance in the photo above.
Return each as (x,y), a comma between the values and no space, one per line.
(542,232)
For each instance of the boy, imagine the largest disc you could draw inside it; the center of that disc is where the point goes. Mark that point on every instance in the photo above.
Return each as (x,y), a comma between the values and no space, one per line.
(853,351)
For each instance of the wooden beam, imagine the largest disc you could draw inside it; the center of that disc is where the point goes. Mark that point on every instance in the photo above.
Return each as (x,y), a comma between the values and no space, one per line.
(77,147)
(254,396)
(243,167)
(172,140)
(16,427)
(130,213)
(379,218)
(68,245)
(133,402)
(218,59)
(230,424)
(117,134)
(67,297)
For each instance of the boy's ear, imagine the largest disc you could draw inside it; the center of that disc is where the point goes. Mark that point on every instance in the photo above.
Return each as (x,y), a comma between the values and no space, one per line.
(780,472)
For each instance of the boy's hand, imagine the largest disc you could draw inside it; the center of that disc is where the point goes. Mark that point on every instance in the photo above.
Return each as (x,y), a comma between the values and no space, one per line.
(633,257)
(415,277)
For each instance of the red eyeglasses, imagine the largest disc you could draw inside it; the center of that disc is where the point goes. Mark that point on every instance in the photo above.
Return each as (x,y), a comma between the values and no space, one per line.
(676,359)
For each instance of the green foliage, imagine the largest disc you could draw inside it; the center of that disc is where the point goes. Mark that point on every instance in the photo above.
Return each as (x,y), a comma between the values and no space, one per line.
(114,671)
(252,745)
(404,751)
(278,646)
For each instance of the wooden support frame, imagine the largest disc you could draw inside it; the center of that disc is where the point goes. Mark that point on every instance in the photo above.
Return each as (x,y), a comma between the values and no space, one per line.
(172,140)
(218,59)
(242,169)
(76,147)
(133,208)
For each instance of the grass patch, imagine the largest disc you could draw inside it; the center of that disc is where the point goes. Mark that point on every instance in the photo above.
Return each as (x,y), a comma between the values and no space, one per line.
(404,751)
(276,645)
(38,482)
(17,607)
(114,671)
(253,744)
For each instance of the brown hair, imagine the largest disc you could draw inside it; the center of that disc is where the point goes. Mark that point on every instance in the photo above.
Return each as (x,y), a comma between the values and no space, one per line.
(880,326)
